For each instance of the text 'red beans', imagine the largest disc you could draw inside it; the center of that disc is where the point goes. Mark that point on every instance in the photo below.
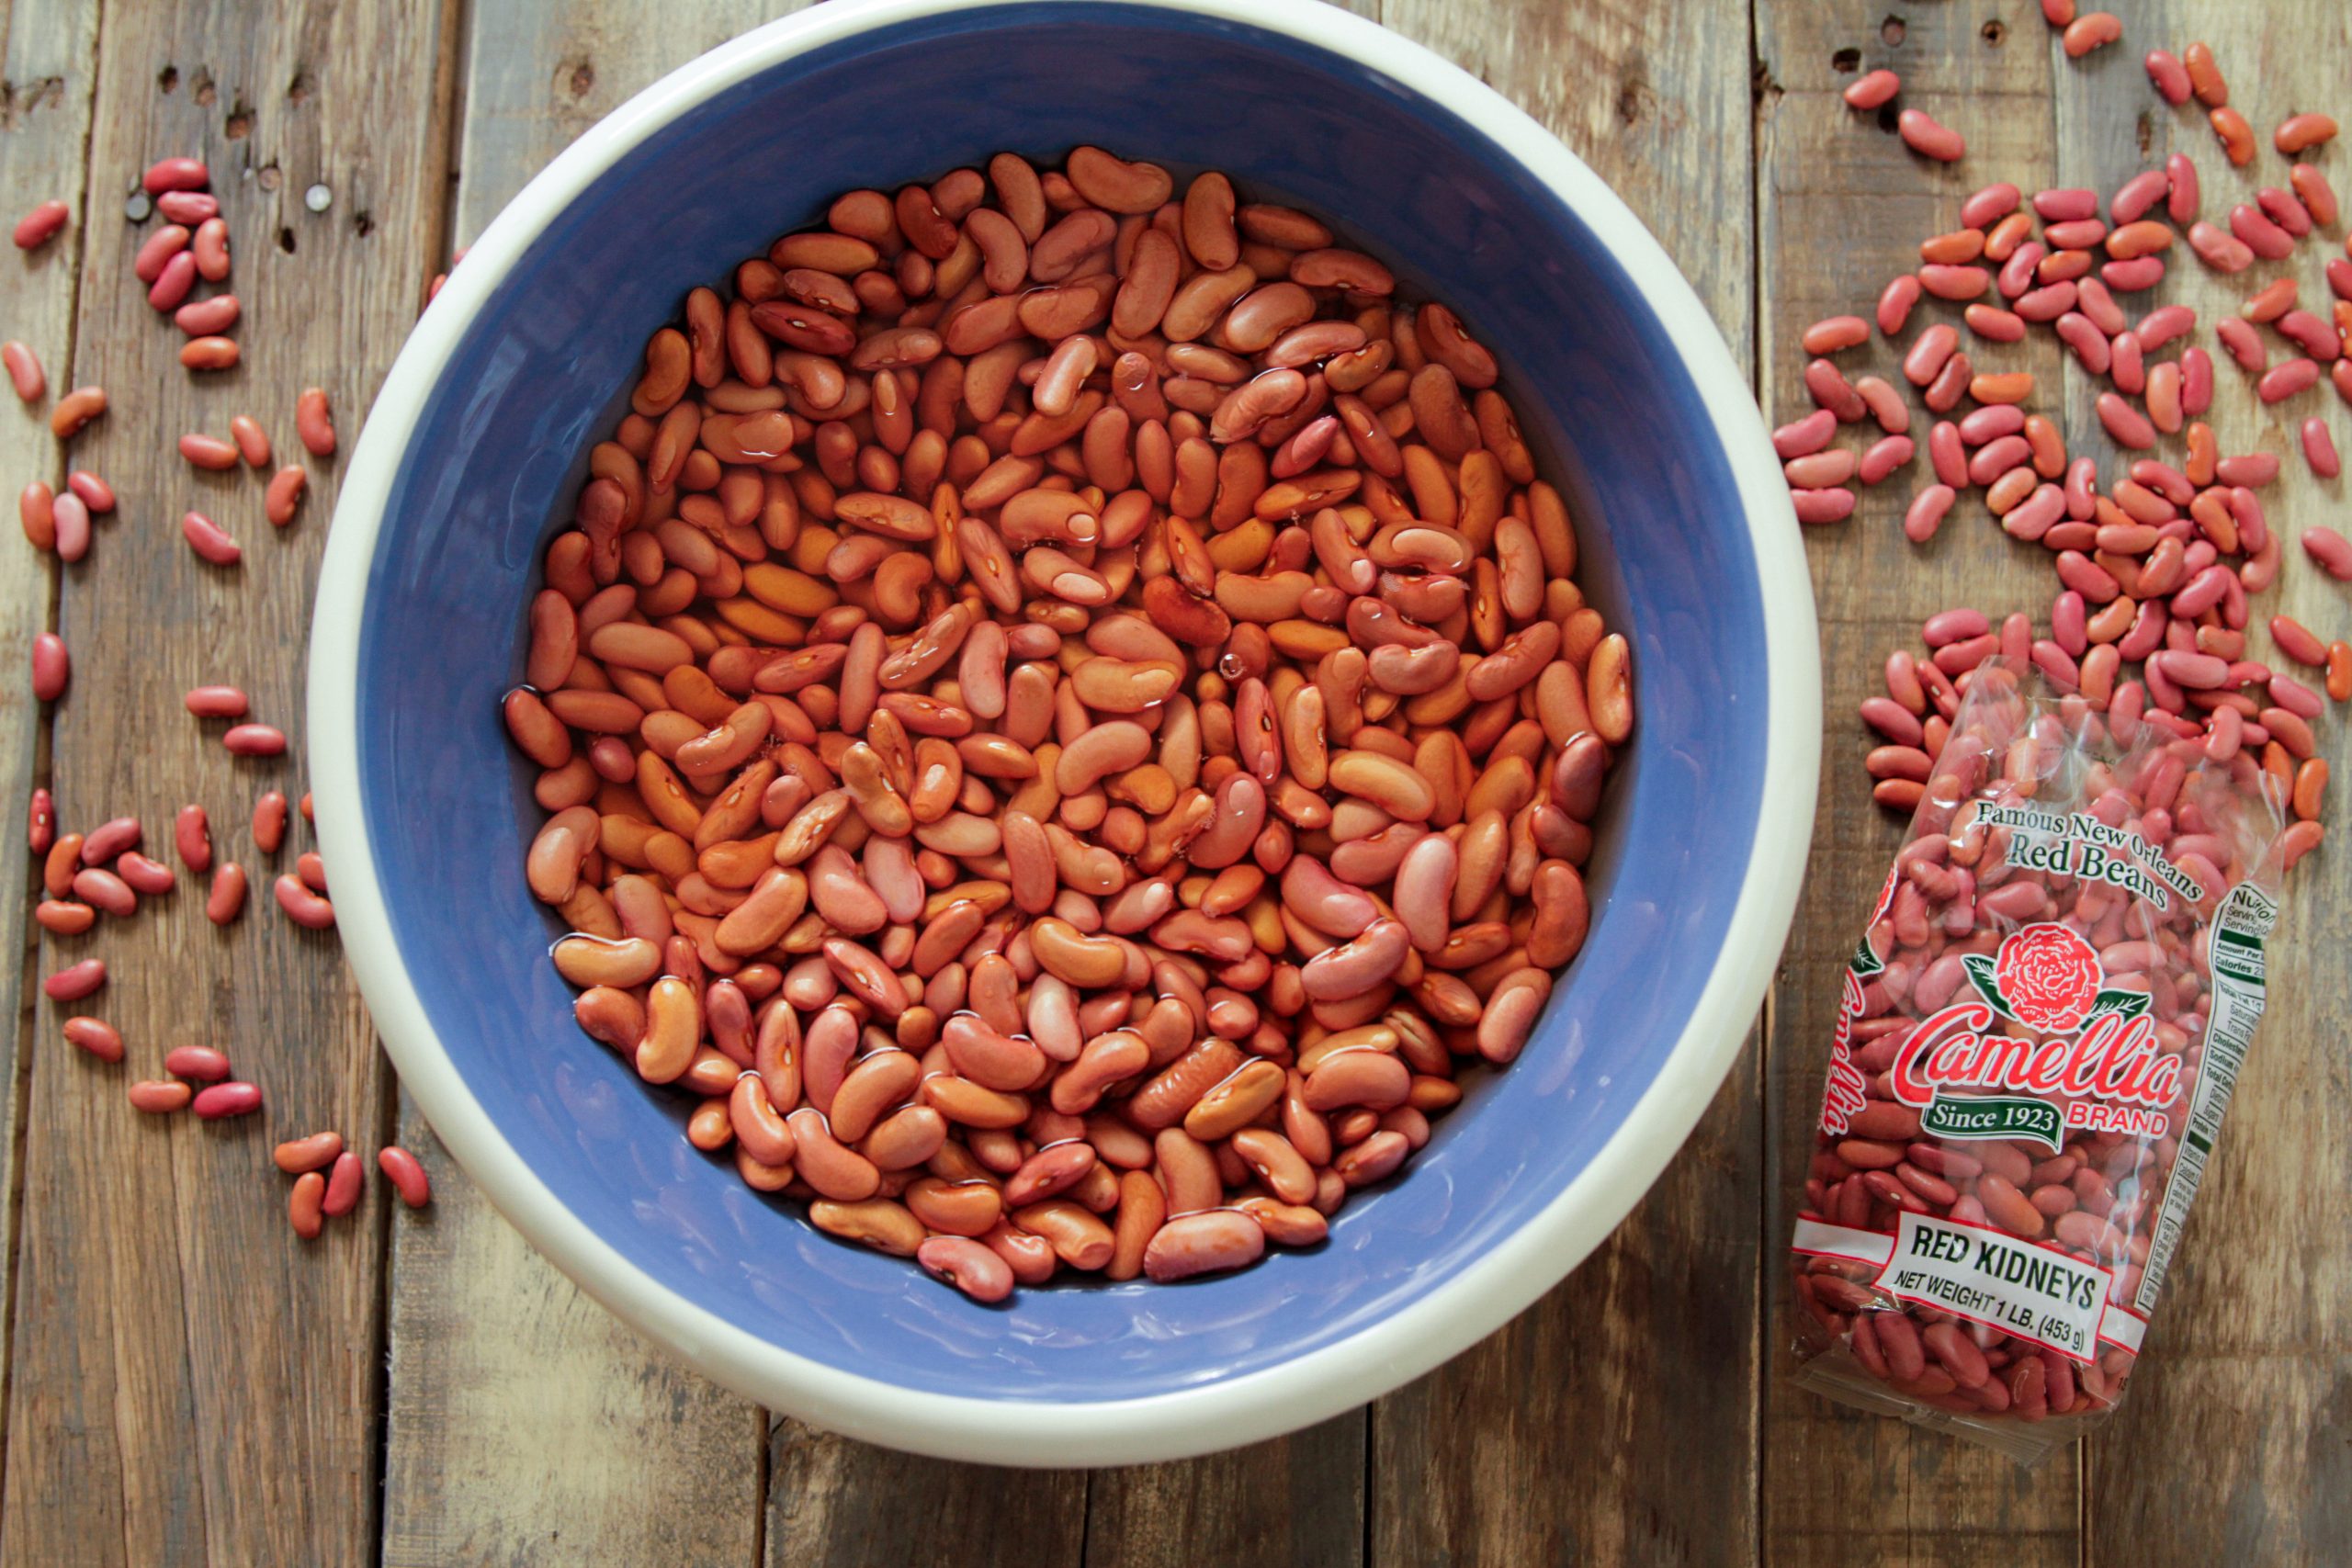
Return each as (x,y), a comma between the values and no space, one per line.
(1065,718)
(2039,1003)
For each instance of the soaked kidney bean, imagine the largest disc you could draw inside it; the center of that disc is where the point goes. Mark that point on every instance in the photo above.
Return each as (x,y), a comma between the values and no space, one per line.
(199,1062)
(160,1097)
(1057,730)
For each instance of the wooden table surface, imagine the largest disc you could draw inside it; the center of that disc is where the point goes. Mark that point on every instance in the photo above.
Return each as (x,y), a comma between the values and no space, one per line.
(186,1381)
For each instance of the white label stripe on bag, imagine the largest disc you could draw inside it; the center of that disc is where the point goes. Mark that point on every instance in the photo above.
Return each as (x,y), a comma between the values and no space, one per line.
(2118,1325)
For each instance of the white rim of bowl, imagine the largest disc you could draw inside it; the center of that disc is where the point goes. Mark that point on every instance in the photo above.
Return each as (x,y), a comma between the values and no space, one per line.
(1452,1315)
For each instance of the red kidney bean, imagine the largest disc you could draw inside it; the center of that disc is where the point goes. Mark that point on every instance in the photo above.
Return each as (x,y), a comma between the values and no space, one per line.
(157,249)
(25,373)
(2283,380)
(159,1097)
(173,282)
(253,740)
(315,1152)
(226,898)
(2331,551)
(209,353)
(95,1035)
(2300,132)
(2318,448)
(217,702)
(199,1062)
(143,874)
(1989,205)
(176,173)
(42,224)
(406,1174)
(344,1185)
(211,248)
(226,1099)
(2181,199)
(208,539)
(1806,436)
(1895,302)
(302,906)
(306,1205)
(2095,30)
(51,667)
(1927,511)
(40,822)
(314,423)
(1929,139)
(269,821)
(1870,91)
(2169,77)
(94,493)
(75,981)
(284,496)
(252,441)
(186,207)
(2310,188)
(205,319)
(75,410)
(1836,332)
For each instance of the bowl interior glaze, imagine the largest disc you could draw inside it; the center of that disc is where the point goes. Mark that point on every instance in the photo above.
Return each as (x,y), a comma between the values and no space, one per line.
(541,373)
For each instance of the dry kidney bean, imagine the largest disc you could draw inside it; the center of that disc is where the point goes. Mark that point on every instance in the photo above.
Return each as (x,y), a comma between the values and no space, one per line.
(226,898)
(986,778)
(298,1154)
(97,1036)
(314,423)
(42,224)
(407,1176)
(25,373)
(160,1097)
(199,1062)
(306,1205)
(226,1099)
(1989,1216)
(51,667)
(1873,89)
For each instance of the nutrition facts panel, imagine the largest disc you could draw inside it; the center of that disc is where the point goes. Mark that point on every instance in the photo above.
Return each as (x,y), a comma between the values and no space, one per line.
(2243,919)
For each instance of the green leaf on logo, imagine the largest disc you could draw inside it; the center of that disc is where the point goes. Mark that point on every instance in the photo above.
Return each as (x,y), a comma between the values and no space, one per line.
(1994,1116)
(1980,974)
(1866,961)
(2129,1004)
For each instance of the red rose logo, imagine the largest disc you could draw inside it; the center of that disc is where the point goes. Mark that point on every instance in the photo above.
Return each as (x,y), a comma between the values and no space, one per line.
(2050,978)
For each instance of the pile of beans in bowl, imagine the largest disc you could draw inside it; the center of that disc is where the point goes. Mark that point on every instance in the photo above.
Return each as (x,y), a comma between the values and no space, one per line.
(1065,718)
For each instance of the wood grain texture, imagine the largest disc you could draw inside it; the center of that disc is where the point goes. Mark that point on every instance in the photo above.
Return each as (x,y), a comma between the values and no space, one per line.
(2229,1447)
(1841,207)
(191,1380)
(45,91)
(836,1502)
(524,1423)
(1553,1442)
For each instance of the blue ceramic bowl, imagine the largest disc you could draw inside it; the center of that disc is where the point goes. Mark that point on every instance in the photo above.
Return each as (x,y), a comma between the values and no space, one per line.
(477,444)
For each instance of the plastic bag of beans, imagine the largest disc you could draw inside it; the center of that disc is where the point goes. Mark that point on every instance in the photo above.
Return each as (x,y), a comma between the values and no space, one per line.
(2037,1041)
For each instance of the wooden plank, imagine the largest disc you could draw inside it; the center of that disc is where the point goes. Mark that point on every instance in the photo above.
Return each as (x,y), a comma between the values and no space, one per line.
(525,1424)
(1842,207)
(1296,1501)
(2242,1386)
(1553,1440)
(836,1502)
(44,137)
(191,1380)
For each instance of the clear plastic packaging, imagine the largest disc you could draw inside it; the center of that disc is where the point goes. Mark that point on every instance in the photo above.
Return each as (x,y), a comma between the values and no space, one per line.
(2037,1042)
